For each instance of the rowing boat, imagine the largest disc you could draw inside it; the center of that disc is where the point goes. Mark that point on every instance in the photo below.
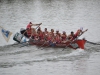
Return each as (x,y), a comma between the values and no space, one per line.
(75,44)
(79,43)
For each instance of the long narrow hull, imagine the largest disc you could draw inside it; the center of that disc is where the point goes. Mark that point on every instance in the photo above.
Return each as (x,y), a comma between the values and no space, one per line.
(76,44)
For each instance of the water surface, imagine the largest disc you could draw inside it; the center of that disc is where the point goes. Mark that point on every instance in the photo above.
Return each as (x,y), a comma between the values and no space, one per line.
(65,15)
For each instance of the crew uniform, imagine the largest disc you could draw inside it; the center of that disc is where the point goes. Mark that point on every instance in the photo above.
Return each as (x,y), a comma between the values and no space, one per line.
(26,32)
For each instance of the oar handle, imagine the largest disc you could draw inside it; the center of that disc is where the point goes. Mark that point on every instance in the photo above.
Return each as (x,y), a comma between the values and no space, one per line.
(85,31)
(38,26)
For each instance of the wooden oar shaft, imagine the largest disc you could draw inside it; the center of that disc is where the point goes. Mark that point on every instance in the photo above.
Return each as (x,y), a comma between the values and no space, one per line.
(92,43)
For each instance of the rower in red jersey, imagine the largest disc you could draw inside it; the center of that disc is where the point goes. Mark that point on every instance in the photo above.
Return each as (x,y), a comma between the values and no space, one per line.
(80,32)
(63,37)
(29,28)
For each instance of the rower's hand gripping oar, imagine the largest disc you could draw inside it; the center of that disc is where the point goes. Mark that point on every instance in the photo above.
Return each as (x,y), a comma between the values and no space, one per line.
(75,39)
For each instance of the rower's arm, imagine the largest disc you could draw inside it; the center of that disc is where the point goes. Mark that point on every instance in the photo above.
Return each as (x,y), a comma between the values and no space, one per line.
(68,36)
(84,31)
(36,24)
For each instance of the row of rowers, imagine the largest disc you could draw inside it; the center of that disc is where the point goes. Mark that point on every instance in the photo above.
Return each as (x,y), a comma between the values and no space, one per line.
(48,35)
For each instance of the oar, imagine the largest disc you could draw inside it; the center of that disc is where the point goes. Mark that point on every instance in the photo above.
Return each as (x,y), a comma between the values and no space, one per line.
(74,39)
(42,45)
(45,41)
(49,45)
(68,44)
(92,43)
(46,46)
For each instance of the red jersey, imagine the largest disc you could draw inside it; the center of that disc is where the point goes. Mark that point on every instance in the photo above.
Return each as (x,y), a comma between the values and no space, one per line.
(77,33)
(28,26)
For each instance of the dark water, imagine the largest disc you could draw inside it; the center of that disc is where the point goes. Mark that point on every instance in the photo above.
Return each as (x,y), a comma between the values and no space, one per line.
(68,15)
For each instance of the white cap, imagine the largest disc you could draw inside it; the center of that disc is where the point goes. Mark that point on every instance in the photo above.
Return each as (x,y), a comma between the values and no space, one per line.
(81,28)
(64,32)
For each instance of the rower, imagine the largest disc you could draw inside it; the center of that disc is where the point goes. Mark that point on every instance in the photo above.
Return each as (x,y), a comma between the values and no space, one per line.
(40,33)
(57,33)
(29,28)
(58,37)
(71,36)
(45,33)
(51,35)
(51,38)
(80,32)
(63,37)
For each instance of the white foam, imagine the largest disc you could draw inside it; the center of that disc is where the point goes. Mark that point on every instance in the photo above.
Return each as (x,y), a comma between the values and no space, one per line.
(73,53)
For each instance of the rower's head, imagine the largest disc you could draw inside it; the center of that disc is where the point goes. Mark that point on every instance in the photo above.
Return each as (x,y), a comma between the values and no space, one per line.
(52,30)
(30,22)
(72,33)
(45,29)
(57,31)
(39,29)
(81,28)
(64,32)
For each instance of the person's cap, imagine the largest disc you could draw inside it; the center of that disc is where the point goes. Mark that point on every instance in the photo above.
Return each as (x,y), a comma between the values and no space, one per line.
(81,28)
(64,32)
